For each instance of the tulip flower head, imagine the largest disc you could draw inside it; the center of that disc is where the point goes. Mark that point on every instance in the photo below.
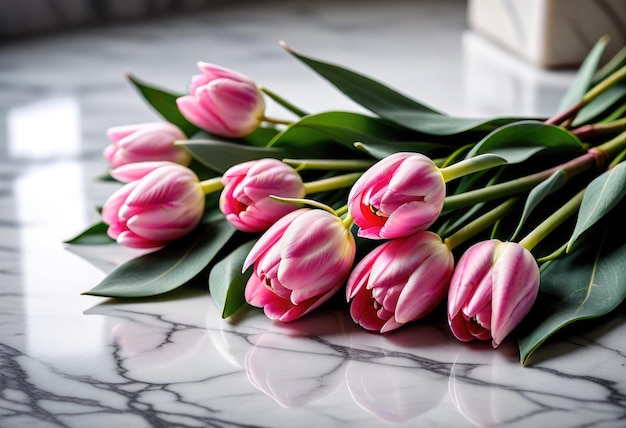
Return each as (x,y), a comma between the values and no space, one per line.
(400,281)
(245,199)
(493,288)
(161,202)
(145,142)
(398,196)
(223,102)
(299,263)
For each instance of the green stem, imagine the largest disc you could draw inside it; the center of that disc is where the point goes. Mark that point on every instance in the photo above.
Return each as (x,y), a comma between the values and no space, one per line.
(481,223)
(330,164)
(471,165)
(342,210)
(347,221)
(332,183)
(593,93)
(523,184)
(597,129)
(556,219)
(613,147)
(211,185)
(277,121)
(283,102)
(303,201)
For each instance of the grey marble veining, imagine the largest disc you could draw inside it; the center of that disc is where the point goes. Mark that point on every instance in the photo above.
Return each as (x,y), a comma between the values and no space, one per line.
(68,360)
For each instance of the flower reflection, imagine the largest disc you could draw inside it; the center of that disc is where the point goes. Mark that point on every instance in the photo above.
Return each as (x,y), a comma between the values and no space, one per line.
(293,367)
(394,384)
(483,385)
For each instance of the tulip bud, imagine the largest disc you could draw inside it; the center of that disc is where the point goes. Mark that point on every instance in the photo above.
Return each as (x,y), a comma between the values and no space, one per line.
(299,263)
(398,196)
(223,102)
(493,288)
(245,199)
(145,142)
(161,202)
(400,281)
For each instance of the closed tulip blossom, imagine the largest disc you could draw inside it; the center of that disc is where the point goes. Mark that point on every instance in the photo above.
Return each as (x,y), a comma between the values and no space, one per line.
(398,196)
(493,287)
(245,199)
(161,202)
(299,263)
(223,102)
(145,142)
(400,281)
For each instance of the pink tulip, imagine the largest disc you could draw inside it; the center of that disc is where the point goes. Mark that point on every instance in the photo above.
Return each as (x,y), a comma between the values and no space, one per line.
(145,142)
(161,202)
(245,199)
(400,281)
(299,263)
(398,196)
(223,102)
(493,288)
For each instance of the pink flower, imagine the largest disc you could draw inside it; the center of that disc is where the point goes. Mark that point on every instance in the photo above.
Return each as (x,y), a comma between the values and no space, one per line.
(145,142)
(400,281)
(299,263)
(223,102)
(493,288)
(161,202)
(245,199)
(398,196)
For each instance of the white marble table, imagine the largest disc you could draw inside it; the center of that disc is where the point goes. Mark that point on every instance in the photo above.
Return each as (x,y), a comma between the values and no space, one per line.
(68,360)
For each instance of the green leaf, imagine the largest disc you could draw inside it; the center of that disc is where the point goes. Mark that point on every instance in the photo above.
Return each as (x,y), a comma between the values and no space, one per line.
(394,106)
(380,151)
(363,90)
(538,194)
(604,103)
(227,283)
(588,283)
(165,104)
(221,155)
(345,128)
(168,268)
(518,141)
(585,76)
(95,234)
(602,194)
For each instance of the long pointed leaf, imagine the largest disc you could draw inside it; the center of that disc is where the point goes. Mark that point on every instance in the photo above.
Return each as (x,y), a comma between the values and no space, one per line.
(164,103)
(602,194)
(516,142)
(227,282)
(584,77)
(538,194)
(221,155)
(168,268)
(95,234)
(393,105)
(588,283)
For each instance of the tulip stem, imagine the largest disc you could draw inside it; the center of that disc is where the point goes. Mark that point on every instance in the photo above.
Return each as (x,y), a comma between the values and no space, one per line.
(283,102)
(348,221)
(568,115)
(211,185)
(332,183)
(594,157)
(471,165)
(302,201)
(481,223)
(597,129)
(330,164)
(277,120)
(552,222)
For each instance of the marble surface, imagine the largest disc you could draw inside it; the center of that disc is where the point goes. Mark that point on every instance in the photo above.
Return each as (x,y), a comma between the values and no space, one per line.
(68,360)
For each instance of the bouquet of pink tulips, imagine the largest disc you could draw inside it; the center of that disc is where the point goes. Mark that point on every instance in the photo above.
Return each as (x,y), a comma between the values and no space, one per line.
(399,211)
